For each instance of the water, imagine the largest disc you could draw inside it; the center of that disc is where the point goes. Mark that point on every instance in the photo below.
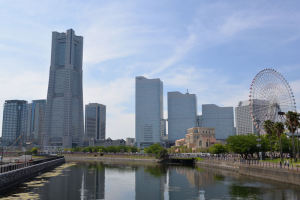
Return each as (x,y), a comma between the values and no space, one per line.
(120,181)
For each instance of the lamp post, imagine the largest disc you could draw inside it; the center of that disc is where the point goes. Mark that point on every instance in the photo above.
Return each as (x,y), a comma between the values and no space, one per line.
(259,139)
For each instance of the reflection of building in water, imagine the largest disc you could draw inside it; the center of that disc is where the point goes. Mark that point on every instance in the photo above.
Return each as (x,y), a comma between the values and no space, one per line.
(81,182)
(148,186)
(196,182)
(93,187)
(178,181)
(197,178)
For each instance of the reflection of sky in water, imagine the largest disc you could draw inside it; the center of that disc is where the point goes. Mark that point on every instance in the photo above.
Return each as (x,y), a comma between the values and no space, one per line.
(112,181)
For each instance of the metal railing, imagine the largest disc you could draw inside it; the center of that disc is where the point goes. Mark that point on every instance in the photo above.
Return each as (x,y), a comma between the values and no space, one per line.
(16,166)
(254,163)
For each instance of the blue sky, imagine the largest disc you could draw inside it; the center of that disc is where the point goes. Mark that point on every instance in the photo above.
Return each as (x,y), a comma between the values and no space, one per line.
(212,48)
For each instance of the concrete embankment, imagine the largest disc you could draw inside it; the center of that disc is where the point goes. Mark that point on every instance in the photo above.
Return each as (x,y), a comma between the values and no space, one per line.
(123,159)
(15,177)
(275,174)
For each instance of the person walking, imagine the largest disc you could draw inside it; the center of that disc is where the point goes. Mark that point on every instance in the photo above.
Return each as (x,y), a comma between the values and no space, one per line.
(280,163)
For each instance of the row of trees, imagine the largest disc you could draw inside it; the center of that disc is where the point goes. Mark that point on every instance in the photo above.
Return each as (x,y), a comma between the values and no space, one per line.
(251,144)
(275,130)
(101,149)
(275,139)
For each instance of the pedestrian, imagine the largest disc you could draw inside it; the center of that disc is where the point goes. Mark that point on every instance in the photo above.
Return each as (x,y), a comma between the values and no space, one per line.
(288,163)
(280,164)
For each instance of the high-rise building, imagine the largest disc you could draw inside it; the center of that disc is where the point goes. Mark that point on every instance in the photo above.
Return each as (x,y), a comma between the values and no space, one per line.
(182,114)
(220,118)
(64,110)
(163,128)
(14,122)
(35,120)
(243,120)
(95,120)
(148,111)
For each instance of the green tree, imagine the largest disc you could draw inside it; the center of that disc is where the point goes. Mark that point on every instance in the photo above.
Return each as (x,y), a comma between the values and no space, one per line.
(132,149)
(269,128)
(243,144)
(34,151)
(279,129)
(218,149)
(286,143)
(157,150)
(292,123)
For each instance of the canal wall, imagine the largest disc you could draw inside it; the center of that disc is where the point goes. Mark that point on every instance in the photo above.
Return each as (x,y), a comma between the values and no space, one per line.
(275,174)
(15,177)
(85,158)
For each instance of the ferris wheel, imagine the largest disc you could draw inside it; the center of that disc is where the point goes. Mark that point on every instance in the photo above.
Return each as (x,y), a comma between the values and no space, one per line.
(270,96)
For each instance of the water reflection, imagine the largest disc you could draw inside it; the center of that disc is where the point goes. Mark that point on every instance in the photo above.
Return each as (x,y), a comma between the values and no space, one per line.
(119,181)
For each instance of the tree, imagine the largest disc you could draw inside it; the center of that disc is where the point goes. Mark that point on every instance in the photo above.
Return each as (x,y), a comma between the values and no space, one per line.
(157,150)
(292,123)
(218,149)
(286,144)
(243,144)
(34,151)
(269,128)
(279,129)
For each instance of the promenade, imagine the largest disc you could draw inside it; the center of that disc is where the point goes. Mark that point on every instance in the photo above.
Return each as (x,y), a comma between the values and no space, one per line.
(259,169)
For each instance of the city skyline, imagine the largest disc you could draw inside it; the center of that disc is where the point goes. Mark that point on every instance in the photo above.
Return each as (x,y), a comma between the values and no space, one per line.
(215,57)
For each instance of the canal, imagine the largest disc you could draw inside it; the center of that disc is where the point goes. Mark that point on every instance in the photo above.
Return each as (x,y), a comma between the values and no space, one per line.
(131,181)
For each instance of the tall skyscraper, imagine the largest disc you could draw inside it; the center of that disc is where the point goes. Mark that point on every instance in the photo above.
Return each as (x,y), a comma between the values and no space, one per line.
(35,120)
(95,120)
(220,118)
(14,122)
(64,110)
(182,114)
(148,111)
(243,119)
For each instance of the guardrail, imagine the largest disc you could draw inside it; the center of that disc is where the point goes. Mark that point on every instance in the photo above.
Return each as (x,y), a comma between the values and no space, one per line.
(256,163)
(16,166)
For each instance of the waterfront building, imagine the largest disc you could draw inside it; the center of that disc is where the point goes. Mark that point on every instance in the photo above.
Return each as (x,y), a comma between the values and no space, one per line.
(182,114)
(148,111)
(220,118)
(35,120)
(130,141)
(14,122)
(108,142)
(198,137)
(95,121)
(243,119)
(64,110)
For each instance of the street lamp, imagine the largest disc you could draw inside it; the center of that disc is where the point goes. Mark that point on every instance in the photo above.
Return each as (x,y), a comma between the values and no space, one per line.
(258,139)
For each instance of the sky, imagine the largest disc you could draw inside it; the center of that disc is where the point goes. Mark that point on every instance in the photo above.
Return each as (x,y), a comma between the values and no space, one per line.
(212,48)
